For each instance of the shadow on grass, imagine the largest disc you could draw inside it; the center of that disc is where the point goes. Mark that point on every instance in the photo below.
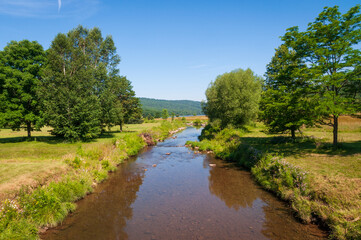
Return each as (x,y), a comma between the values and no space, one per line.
(45,139)
(287,146)
(56,139)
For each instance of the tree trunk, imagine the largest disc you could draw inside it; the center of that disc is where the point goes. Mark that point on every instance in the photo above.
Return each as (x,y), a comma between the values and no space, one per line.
(335,130)
(121,127)
(293,133)
(28,128)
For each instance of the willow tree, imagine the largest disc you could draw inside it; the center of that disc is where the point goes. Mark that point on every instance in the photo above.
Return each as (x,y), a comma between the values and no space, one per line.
(20,73)
(329,47)
(233,98)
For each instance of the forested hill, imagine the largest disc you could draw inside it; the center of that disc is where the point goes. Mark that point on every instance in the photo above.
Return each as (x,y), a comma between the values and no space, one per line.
(154,107)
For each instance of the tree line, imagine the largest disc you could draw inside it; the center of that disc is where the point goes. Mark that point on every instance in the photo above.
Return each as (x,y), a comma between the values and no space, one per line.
(313,78)
(73,87)
(154,107)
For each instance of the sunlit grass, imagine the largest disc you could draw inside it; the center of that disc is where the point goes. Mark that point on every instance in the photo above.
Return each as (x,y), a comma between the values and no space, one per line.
(26,161)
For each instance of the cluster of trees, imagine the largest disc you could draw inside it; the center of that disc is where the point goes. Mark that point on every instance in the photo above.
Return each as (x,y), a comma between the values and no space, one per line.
(74,86)
(314,77)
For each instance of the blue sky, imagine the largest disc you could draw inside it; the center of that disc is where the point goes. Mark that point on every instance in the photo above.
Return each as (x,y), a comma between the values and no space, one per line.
(169,49)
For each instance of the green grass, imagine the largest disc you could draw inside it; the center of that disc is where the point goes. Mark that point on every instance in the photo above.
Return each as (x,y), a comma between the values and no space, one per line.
(321,183)
(28,162)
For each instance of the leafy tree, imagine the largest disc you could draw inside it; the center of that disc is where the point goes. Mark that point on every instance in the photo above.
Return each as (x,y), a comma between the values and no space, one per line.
(20,72)
(165,114)
(287,102)
(328,49)
(79,64)
(233,98)
(132,110)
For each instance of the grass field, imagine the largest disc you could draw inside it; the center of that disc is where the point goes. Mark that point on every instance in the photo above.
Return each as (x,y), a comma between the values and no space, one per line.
(33,162)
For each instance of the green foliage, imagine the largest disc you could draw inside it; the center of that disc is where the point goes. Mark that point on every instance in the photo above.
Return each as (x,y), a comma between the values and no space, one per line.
(165,114)
(71,83)
(134,144)
(21,229)
(286,103)
(328,49)
(21,64)
(154,107)
(233,98)
(197,122)
(119,104)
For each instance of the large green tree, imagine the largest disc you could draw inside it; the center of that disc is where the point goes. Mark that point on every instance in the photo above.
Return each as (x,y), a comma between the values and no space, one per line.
(79,64)
(329,48)
(287,101)
(20,73)
(233,98)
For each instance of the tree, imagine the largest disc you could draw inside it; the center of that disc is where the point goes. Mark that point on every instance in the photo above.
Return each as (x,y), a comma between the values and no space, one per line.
(328,49)
(20,73)
(127,107)
(233,98)
(79,64)
(287,102)
(165,114)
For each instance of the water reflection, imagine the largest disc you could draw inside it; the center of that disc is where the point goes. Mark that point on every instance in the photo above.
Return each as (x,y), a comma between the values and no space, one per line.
(270,217)
(236,189)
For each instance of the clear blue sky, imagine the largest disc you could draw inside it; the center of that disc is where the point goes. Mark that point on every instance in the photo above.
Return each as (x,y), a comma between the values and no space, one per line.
(170,49)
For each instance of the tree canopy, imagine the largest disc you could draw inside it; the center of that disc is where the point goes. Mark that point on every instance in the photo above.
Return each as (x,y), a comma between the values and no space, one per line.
(330,61)
(287,102)
(83,91)
(20,74)
(233,98)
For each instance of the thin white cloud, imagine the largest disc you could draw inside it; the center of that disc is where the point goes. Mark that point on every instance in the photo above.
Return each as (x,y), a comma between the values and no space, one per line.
(49,8)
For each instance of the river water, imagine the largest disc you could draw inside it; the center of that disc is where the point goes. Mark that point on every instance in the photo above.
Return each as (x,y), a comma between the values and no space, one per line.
(179,196)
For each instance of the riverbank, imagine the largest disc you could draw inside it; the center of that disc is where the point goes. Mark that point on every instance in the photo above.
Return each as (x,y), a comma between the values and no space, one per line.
(47,203)
(321,184)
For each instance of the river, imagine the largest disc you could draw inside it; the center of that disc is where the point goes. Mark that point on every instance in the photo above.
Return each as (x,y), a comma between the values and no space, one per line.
(179,196)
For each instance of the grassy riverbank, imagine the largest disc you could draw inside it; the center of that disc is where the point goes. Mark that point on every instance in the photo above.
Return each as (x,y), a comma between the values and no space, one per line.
(54,174)
(321,184)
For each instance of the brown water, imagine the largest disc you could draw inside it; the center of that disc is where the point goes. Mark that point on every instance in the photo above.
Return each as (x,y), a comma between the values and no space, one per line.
(182,197)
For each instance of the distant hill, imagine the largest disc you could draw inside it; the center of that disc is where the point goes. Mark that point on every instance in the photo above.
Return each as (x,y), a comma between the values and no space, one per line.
(154,107)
